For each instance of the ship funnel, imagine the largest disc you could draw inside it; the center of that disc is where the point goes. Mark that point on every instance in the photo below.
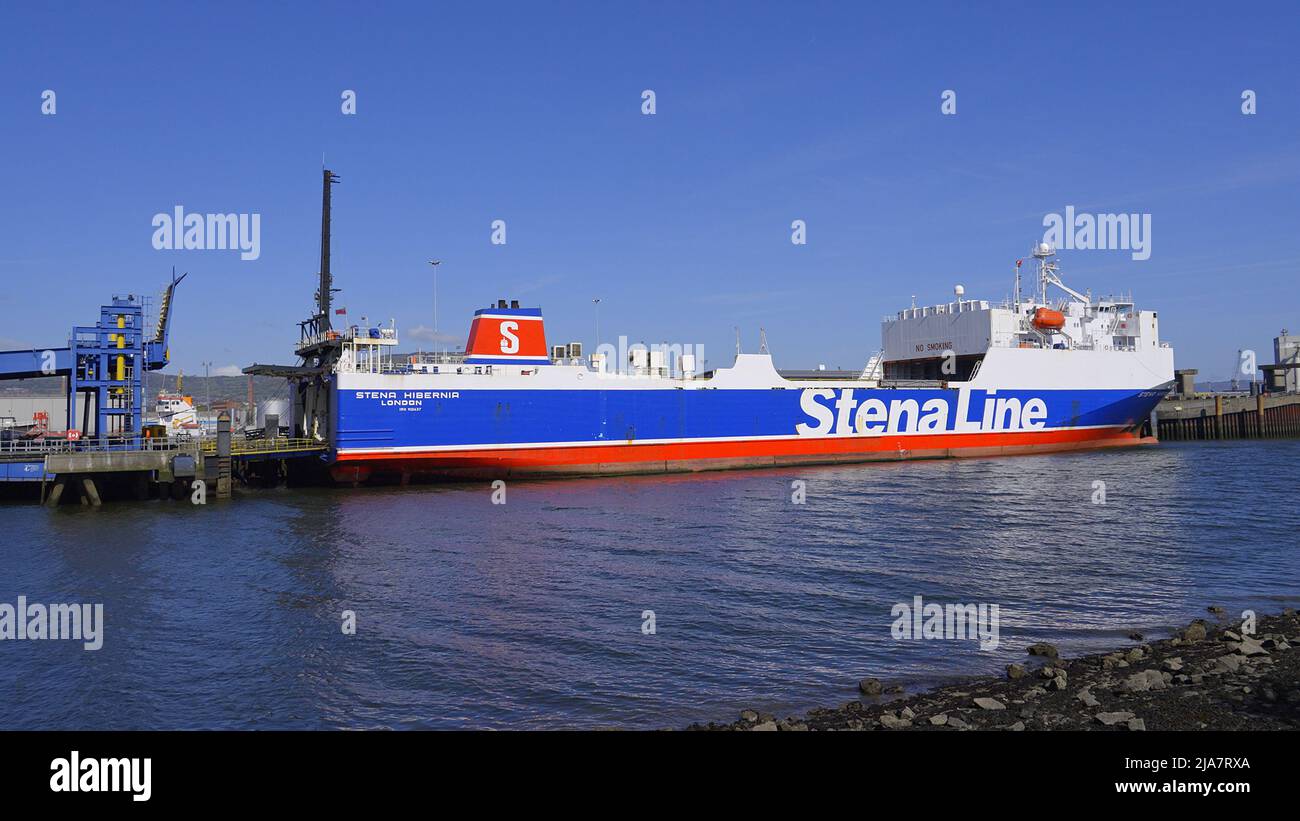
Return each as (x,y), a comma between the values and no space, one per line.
(501,336)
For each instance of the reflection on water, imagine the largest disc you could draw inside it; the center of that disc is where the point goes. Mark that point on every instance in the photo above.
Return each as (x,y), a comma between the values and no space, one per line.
(528,614)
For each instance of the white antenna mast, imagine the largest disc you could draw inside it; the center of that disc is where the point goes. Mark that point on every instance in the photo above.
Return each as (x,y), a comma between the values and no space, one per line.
(1048,274)
(1043,253)
(435,263)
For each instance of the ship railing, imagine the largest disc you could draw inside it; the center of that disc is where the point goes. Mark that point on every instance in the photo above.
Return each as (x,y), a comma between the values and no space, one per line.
(913,383)
(436,358)
(413,363)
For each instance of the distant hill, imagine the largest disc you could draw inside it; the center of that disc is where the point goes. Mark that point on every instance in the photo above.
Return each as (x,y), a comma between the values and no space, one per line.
(222,387)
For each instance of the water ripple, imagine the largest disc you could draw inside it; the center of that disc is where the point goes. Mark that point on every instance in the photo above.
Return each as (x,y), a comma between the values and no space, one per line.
(471,614)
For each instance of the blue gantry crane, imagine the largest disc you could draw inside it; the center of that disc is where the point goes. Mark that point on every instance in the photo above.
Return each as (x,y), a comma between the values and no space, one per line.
(106,362)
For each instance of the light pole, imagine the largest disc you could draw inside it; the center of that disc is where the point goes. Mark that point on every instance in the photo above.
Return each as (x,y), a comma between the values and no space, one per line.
(207,381)
(435,263)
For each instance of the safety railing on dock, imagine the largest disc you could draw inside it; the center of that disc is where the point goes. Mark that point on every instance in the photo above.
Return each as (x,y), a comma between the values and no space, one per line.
(278,444)
(44,447)
(36,448)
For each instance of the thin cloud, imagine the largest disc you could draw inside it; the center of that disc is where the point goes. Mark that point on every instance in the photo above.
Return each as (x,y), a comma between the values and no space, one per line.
(423,333)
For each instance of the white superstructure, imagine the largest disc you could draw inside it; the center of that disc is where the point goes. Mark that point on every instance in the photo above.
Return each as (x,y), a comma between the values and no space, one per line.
(959,341)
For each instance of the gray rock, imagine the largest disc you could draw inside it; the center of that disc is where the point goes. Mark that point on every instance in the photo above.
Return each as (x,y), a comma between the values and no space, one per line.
(1043,649)
(748,716)
(1193,632)
(1173,664)
(871,686)
(939,720)
(985,703)
(1085,695)
(1110,719)
(1136,724)
(957,723)
(1250,647)
(1216,610)
(1143,681)
(1058,683)
(907,713)
(892,722)
(1229,663)
(1017,727)
(765,727)
(1015,671)
(1231,635)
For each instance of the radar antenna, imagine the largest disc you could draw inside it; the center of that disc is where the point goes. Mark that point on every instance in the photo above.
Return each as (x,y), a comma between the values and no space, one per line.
(1049,274)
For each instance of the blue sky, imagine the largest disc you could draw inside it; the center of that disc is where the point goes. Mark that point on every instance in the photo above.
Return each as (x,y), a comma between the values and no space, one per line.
(679,222)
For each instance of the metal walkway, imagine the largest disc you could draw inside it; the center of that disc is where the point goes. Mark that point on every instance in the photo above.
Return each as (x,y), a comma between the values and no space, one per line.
(36,461)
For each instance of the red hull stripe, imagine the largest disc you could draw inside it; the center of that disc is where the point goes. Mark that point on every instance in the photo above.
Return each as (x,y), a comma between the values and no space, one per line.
(814,449)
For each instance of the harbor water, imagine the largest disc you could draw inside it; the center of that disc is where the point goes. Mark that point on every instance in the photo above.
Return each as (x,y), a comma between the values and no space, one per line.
(535,613)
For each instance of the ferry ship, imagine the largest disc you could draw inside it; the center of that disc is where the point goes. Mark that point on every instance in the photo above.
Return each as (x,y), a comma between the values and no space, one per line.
(1052,371)
(174,414)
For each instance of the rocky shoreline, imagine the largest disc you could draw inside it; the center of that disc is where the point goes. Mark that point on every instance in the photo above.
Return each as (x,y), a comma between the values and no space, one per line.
(1209,676)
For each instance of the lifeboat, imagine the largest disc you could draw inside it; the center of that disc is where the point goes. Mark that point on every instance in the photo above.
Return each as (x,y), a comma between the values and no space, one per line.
(1045,319)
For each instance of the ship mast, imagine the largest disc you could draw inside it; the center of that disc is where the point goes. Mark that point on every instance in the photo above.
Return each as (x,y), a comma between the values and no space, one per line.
(1049,274)
(326,287)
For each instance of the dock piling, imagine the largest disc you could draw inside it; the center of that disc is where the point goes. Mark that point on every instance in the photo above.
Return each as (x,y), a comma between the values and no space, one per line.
(92,493)
(223,456)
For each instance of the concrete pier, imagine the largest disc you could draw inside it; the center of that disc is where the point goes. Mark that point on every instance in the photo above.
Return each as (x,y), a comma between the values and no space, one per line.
(98,471)
(1226,416)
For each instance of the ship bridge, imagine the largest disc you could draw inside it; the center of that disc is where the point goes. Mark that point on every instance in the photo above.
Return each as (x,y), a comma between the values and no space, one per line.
(949,340)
